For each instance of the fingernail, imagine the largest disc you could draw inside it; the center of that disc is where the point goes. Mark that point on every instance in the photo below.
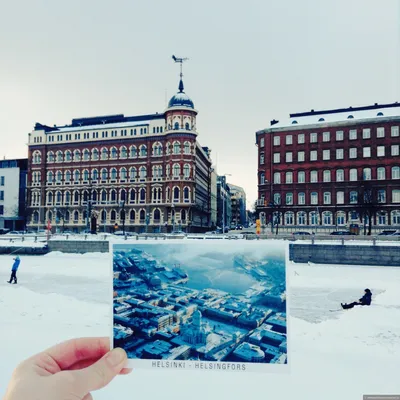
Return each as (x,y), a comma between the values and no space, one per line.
(116,357)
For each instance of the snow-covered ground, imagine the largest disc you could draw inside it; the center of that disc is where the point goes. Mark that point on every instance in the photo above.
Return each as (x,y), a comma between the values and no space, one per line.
(334,354)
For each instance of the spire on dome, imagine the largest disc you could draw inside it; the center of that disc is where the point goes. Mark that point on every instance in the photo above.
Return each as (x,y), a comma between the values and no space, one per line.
(181,87)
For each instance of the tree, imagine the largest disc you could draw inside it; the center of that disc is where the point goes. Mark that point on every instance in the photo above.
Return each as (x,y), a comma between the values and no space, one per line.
(368,206)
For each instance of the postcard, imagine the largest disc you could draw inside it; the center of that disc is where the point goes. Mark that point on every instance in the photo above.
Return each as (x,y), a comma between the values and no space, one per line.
(201,305)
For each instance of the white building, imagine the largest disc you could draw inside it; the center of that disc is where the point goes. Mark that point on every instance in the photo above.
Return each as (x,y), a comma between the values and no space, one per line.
(12,194)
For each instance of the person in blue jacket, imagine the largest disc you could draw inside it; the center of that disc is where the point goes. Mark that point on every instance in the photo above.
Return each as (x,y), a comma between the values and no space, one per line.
(14,270)
(364,301)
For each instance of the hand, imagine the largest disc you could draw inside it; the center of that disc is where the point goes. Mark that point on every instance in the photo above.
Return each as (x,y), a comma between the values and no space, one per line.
(67,371)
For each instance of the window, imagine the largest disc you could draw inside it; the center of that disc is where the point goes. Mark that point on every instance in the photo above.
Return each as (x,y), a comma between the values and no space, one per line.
(353,134)
(339,154)
(313,218)
(380,132)
(300,138)
(143,151)
(381,173)
(313,155)
(132,196)
(261,158)
(314,198)
(381,196)
(327,218)
(326,136)
(302,198)
(277,140)
(366,152)
(77,155)
(104,174)
(177,148)
(289,139)
(2,179)
(300,156)
(132,152)
(353,197)
(113,173)
(289,177)
(327,198)
(186,195)
(396,196)
(380,151)
(132,173)
(142,173)
(326,155)
(313,176)
(104,153)
(353,152)
(339,136)
(395,217)
(277,198)
(176,192)
(1,195)
(186,171)
(262,142)
(77,175)
(277,177)
(366,133)
(289,198)
(262,178)
(301,177)
(394,150)
(395,172)
(289,157)
(339,175)
(289,218)
(382,217)
(339,197)
(95,154)
(367,176)
(277,158)
(353,174)
(313,138)
(327,176)
(123,173)
(186,147)
(301,218)
(395,131)
(176,170)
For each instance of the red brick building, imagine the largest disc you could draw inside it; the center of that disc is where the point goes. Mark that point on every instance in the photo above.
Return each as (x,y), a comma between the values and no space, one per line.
(332,168)
(140,173)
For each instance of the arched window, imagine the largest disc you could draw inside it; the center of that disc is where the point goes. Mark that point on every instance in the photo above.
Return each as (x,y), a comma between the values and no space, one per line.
(301,218)
(86,155)
(301,198)
(156,216)
(327,198)
(367,176)
(327,218)
(186,194)
(122,195)
(176,125)
(277,177)
(176,170)
(60,156)
(85,196)
(314,198)
(396,196)
(395,217)
(103,216)
(142,216)
(262,178)
(132,196)
(95,154)
(396,172)
(132,173)
(289,198)
(103,196)
(123,173)
(113,215)
(353,197)
(157,149)
(313,218)
(353,174)
(113,196)
(339,175)
(177,148)
(85,175)
(104,153)
(95,174)
(187,126)
(341,218)
(76,216)
(123,152)
(143,151)
(186,147)
(94,196)
(143,172)
(142,195)
(59,176)
(67,198)
(289,218)
(114,173)
(132,152)
(382,217)
(314,176)
(277,198)
(327,175)
(168,195)
(49,198)
(58,197)
(77,175)
(77,155)
(381,173)
(68,156)
(340,197)
(381,195)
(104,174)
(176,194)
(76,197)
(114,153)
(132,215)
(37,157)
(289,177)
(50,157)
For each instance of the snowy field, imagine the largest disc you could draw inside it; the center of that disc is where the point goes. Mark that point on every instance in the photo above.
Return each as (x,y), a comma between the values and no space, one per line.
(333,354)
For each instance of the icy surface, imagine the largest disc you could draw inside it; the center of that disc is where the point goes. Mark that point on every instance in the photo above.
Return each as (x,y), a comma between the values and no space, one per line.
(333,354)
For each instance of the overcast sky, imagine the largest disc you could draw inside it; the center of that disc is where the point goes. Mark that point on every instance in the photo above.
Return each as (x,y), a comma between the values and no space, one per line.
(249,63)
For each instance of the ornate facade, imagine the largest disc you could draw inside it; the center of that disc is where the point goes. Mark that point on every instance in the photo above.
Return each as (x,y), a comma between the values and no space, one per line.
(143,173)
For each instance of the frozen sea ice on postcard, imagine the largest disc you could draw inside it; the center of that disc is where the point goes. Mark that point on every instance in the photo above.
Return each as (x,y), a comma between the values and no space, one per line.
(209,305)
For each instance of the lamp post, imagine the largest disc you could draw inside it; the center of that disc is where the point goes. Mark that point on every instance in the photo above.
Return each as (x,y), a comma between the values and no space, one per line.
(173,217)
(147,221)
(55,214)
(122,205)
(223,194)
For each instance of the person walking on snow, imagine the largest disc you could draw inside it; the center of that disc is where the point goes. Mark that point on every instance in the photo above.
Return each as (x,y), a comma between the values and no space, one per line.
(14,270)
(364,301)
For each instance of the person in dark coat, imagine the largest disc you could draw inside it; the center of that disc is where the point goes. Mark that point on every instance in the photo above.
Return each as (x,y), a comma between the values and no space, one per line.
(14,270)
(364,301)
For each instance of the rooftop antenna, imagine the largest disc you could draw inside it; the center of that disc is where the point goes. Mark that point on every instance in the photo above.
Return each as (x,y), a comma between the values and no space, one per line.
(180,61)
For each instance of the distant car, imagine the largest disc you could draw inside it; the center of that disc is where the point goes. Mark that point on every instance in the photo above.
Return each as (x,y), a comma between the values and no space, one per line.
(343,233)
(387,233)
(395,234)
(15,233)
(211,233)
(301,233)
(4,231)
(239,227)
(249,233)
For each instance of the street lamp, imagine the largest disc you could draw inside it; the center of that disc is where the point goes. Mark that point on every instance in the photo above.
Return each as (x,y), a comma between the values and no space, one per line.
(173,217)
(223,201)
(122,205)
(55,213)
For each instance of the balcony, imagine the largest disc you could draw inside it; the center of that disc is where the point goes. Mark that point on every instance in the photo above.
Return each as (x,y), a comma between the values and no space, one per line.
(261,203)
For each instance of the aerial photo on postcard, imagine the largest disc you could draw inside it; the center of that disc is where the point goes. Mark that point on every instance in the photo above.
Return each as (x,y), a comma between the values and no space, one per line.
(216,305)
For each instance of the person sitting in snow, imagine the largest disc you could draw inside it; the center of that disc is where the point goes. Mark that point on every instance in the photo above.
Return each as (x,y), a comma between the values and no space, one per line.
(14,270)
(364,301)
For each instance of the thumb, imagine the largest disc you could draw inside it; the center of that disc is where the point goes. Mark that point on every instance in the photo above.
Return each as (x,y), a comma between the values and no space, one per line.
(101,373)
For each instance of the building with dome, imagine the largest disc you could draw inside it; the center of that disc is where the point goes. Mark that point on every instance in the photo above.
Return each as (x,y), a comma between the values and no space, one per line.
(144,173)
(195,333)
